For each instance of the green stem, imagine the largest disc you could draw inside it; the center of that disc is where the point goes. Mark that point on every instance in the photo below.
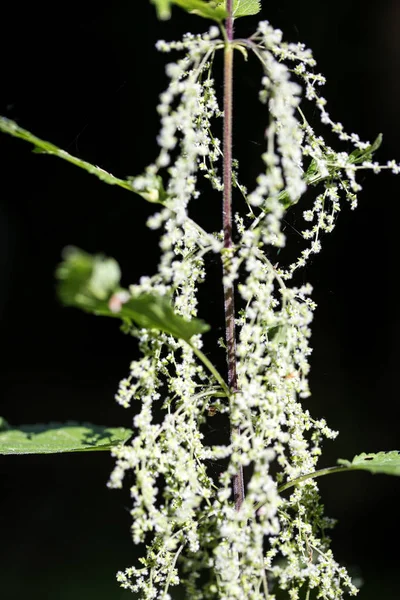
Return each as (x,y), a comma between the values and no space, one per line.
(313,475)
(173,565)
(207,363)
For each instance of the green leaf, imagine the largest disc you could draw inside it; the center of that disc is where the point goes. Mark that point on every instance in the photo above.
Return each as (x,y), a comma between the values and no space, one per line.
(155,194)
(278,333)
(313,177)
(155,312)
(381,462)
(43,147)
(54,438)
(243,8)
(204,8)
(208,10)
(359,156)
(152,190)
(92,284)
(86,279)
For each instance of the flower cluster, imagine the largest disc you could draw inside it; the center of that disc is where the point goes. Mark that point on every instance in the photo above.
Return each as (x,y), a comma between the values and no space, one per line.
(297,157)
(183,509)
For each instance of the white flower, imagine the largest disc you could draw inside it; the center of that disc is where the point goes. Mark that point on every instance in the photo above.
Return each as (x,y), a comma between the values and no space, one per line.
(180,481)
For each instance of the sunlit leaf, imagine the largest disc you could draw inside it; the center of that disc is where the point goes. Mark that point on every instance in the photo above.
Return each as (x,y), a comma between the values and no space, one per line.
(92,284)
(243,8)
(381,462)
(208,10)
(85,279)
(203,8)
(53,438)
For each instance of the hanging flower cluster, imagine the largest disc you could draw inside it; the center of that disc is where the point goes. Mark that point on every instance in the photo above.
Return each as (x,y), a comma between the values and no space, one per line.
(183,510)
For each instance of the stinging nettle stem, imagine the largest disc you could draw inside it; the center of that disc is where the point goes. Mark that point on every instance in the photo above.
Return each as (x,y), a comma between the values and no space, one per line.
(229,298)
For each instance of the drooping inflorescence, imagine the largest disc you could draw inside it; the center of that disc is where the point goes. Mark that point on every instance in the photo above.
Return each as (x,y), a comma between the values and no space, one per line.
(183,510)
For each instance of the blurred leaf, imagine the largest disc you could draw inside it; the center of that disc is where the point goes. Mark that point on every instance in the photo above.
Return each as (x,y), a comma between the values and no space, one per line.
(278,333)
(163,8)
(3,424)
(92,284)
(150,188)
(381,462)
(86,279)
(54,438)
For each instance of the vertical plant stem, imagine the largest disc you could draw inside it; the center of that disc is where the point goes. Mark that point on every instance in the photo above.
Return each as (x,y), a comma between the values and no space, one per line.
(229,297)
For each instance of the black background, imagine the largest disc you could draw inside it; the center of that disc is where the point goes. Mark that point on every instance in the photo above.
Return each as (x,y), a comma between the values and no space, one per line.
(86,76)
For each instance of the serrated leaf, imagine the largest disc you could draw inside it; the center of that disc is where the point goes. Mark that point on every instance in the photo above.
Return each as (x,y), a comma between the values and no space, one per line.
(208,10)
(202,8)
(54,438)
(91,283)
(381,462)
(245,8)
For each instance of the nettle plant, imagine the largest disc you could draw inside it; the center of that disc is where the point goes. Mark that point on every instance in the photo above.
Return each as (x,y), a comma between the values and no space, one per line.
(254,528)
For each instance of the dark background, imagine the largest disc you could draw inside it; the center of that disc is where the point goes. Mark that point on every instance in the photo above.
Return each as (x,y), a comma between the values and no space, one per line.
(86,76)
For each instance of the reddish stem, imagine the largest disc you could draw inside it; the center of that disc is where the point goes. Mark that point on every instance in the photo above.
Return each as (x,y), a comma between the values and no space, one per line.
(229,292)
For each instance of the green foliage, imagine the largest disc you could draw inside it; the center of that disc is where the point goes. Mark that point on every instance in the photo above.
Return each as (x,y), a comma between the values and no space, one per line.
(246,8)
(155,195)
(209,9)
(358,156)
(191,515)
(91,283)
(43,147)
(85,279)
(3,424)
(314,177)
(54,438)
(205,9)
(155,312)
(381,462)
